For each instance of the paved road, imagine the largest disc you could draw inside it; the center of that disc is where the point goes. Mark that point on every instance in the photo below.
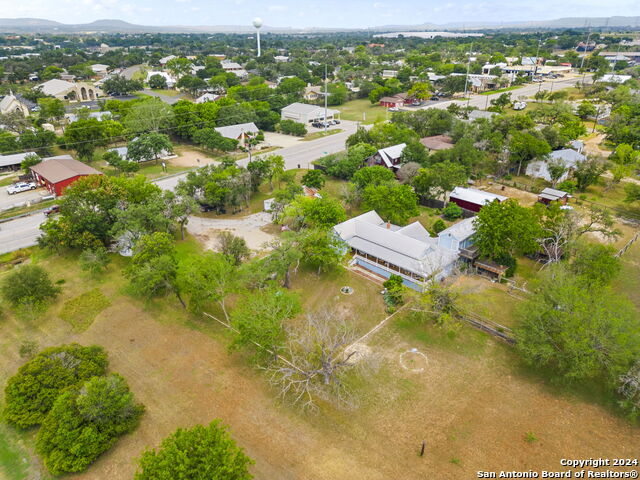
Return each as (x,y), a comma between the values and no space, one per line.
(299,155)
(20,233)
(529,90)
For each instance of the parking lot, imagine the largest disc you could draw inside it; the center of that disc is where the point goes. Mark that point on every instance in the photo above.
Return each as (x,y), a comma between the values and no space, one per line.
(19,199)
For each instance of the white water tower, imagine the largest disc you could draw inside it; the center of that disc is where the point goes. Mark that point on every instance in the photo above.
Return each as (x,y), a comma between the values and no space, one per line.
(257,23)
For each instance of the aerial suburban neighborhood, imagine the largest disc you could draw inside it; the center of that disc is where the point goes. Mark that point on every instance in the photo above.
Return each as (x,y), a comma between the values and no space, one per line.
(315,248)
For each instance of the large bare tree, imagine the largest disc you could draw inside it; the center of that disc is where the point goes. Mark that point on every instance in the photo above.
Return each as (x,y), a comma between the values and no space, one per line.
(318,359)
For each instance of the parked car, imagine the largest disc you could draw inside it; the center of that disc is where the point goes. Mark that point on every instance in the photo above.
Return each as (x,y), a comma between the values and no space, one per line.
(394,109)
(20,187)
(52,209)
(316,124)
(336,121)
(519,105)
(435,98)
(536,79)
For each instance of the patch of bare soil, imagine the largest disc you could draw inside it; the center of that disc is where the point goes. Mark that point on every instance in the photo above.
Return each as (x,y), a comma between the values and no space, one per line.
(191,158)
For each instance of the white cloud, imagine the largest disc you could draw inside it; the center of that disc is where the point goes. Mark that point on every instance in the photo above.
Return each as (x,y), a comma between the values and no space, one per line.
(277,8)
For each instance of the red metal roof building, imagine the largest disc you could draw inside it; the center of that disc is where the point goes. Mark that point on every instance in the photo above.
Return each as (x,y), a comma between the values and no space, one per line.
(57,173)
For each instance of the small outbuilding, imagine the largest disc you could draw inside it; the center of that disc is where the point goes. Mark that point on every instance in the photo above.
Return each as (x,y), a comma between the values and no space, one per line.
(549,195)
(305,113)
(437,142)
(57,173)
(473,199)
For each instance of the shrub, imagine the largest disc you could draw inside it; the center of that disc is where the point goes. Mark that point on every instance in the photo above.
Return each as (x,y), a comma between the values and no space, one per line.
(201,449)
(28,285)
(438,226)
(508,261)
(30,393)
(94,261)
(394,290)
(85,421)
(289,127)
(569,186)
(452,211)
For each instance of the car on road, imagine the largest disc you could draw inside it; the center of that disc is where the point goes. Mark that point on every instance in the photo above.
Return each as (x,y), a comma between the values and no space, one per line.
(20,187)
(336,121)
(52,209)
(394,109)
(435,98)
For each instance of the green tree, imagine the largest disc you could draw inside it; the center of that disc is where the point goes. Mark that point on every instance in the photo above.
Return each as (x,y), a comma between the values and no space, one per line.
(504,229)
(30,393)
(233,247)
(438,179)
(586,109)
(157,82)
(118,85)
(179,66)
(210,277)
(596,263)
(85,136)
(313,179)
(524,147)
(153,268)
(28,286)
(86,421)
(210,451)
(395,203)
(150,115)
(50,108)
(149,146)
(321,249)
(29,161)
(588,172)
(376,175)
(452,211)
(420,90)
(314,212)
(259,319)
(583,332)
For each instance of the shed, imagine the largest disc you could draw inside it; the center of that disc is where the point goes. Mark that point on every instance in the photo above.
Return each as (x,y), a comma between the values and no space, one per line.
(549,195)
(305,113)
(57,173)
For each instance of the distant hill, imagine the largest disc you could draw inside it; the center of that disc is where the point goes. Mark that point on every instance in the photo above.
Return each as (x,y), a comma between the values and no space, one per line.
(38,25)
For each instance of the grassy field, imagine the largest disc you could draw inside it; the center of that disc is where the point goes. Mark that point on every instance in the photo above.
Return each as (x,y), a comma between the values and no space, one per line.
(362,111)
(471,401)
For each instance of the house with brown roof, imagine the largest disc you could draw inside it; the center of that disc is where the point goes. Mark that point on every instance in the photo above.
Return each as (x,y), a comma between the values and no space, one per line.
(57,173)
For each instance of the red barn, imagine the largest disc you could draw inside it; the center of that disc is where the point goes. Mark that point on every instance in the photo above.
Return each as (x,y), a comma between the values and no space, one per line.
(473,199)
(57,173)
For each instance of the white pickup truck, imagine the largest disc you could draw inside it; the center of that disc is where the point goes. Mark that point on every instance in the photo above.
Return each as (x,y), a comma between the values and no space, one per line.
(21,187)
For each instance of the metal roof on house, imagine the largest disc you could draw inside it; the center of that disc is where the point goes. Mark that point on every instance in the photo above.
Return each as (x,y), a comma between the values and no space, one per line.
(473,195)
(567,156)
(368,233)
(63,167)
(461,230)
(236,131)
(391,153)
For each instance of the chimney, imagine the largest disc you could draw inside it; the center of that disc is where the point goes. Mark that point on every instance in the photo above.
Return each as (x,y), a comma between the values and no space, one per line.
(389,225)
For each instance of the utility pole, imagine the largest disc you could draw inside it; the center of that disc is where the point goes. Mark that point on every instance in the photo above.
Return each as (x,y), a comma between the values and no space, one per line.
(326,95)
(466,80)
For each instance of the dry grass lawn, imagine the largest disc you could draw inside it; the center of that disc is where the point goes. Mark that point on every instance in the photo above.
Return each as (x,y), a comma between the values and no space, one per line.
(473,402)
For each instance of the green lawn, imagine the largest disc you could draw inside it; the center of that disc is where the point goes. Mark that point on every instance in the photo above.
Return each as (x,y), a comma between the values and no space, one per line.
(362,111)
(316,135)
(14,460)
(501,90)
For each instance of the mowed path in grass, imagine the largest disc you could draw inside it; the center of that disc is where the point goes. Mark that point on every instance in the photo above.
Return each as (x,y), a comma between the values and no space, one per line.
(471,404)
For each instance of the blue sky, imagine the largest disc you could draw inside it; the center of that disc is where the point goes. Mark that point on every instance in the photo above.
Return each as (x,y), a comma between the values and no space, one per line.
(300,13)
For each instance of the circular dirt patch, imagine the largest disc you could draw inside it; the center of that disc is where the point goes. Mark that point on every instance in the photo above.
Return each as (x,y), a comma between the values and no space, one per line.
(413,360)
(346,290)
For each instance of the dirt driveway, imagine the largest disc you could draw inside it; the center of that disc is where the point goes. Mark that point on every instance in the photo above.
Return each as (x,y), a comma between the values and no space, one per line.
(250,228)
(190,158)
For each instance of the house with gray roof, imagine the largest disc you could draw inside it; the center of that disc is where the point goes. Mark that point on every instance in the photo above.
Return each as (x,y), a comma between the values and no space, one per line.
(410,252)
(16,103)
(13,161)
(566,157)
(238,132)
